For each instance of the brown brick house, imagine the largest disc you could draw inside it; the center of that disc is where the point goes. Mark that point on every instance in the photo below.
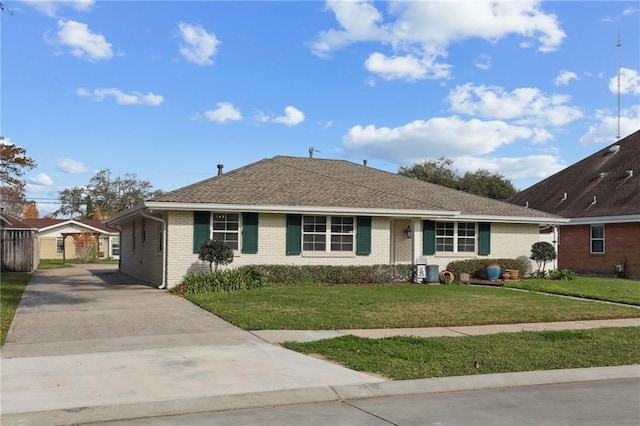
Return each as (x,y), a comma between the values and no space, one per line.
(601,196)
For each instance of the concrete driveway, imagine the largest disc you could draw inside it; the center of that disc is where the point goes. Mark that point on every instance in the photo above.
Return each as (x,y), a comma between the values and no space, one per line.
(90,344)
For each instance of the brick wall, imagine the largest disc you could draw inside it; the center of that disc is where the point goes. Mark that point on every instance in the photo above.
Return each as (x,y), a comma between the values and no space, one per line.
(622,241)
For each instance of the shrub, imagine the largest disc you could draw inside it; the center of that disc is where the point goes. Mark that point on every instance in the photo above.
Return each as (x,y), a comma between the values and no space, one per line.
(221,281)
(562,274)
(216,252)
(475,267)
(310,275)
(542,252)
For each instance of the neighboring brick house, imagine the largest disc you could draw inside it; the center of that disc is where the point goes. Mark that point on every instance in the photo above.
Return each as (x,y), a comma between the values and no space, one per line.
(288,210)
(601,197)
(56,237)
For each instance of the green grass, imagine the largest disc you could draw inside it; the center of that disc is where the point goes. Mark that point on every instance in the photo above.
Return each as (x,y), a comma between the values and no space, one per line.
(416,358)
(58,264)
(610,289)
(12,285)
(347,307)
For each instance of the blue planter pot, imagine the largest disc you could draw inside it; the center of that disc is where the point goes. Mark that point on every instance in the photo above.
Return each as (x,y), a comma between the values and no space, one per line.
(492,271)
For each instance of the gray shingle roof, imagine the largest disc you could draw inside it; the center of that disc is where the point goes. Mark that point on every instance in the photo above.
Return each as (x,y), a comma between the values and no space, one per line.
(603,175)
(312,182)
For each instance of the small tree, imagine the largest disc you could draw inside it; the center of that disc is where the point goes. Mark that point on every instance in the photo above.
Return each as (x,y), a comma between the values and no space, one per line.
(542,252)
(216,252)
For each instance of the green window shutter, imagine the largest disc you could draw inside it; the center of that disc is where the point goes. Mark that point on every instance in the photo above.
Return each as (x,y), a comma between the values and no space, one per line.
(428,237)
(201,229)
(294,234)
(250,233)
(363,236)
(484,238)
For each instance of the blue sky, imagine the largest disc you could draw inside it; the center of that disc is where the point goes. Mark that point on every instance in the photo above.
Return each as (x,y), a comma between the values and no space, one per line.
(167,90)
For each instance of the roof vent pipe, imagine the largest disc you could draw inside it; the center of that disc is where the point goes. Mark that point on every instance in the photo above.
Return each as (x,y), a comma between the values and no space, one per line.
(564,197)
(594,200)
(364,162)
(220,167)
(629,173)
(613,149)
(526,204)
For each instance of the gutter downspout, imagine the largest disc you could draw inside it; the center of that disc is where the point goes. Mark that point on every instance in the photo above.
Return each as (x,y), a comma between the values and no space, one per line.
(164,246)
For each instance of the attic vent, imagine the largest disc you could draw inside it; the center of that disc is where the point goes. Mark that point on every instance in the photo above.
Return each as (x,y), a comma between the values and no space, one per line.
(613,149)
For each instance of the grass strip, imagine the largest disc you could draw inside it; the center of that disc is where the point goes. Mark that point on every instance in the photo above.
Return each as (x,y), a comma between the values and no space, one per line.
(12,285)
(609,289)
(345,307)
(402,358)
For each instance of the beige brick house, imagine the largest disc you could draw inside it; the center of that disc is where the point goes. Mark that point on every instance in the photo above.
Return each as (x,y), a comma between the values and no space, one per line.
(289,210)
(600,195)
(58,238)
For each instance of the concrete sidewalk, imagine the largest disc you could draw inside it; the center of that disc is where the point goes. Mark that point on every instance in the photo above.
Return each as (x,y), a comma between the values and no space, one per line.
(89,345)
(281,336)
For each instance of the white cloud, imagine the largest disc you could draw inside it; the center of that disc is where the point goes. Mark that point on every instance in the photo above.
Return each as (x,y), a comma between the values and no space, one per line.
(629,82)
(405,67)
(121,98)
(530,167)
(41,179)
(420,32)
(225,112)
(434,138)
(83,43)
(483,62)
(565,77)
(71,166)
(199,46)
(292,117)
(51,7)
(524,105)
(605,130)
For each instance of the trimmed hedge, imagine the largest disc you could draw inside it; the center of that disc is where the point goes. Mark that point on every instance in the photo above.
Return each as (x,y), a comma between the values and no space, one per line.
(318,275)
(475,267)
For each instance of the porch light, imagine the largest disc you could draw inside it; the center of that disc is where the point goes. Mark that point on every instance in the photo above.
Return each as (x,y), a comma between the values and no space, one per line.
(408,232)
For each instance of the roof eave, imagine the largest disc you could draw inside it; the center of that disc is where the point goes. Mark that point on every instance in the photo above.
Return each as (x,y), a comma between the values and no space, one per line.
(539,220)
(604,219)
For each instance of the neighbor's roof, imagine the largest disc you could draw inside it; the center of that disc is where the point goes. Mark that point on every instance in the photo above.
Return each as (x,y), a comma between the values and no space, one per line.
(310,182)
(606,183)
(11,222)
(45,223)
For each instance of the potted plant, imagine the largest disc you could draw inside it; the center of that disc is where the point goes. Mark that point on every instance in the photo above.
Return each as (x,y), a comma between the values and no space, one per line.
(492,270)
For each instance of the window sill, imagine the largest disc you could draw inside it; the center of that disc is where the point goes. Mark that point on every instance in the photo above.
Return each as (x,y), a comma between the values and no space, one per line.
(332,255)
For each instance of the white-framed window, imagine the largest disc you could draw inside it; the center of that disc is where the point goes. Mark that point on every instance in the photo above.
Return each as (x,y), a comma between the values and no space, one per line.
(456,237)
(59,245)
(337,230)
(226,228)
(597,239)
(115,246)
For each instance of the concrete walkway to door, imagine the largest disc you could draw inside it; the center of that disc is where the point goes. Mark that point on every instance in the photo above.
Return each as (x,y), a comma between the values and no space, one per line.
(89,344)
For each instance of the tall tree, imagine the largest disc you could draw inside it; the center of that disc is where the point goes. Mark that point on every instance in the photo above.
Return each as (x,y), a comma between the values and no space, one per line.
(31,210)
(490,185)
(105,196)
(438,172)
(13,163)
(481,182)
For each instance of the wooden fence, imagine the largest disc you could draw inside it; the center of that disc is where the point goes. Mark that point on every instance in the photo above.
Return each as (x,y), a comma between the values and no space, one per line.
(17,250)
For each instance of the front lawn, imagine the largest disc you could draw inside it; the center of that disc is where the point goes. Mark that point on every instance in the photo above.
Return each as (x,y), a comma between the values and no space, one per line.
(396,306)
(58,264)
(610,289)
(417,358)
(12,285)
